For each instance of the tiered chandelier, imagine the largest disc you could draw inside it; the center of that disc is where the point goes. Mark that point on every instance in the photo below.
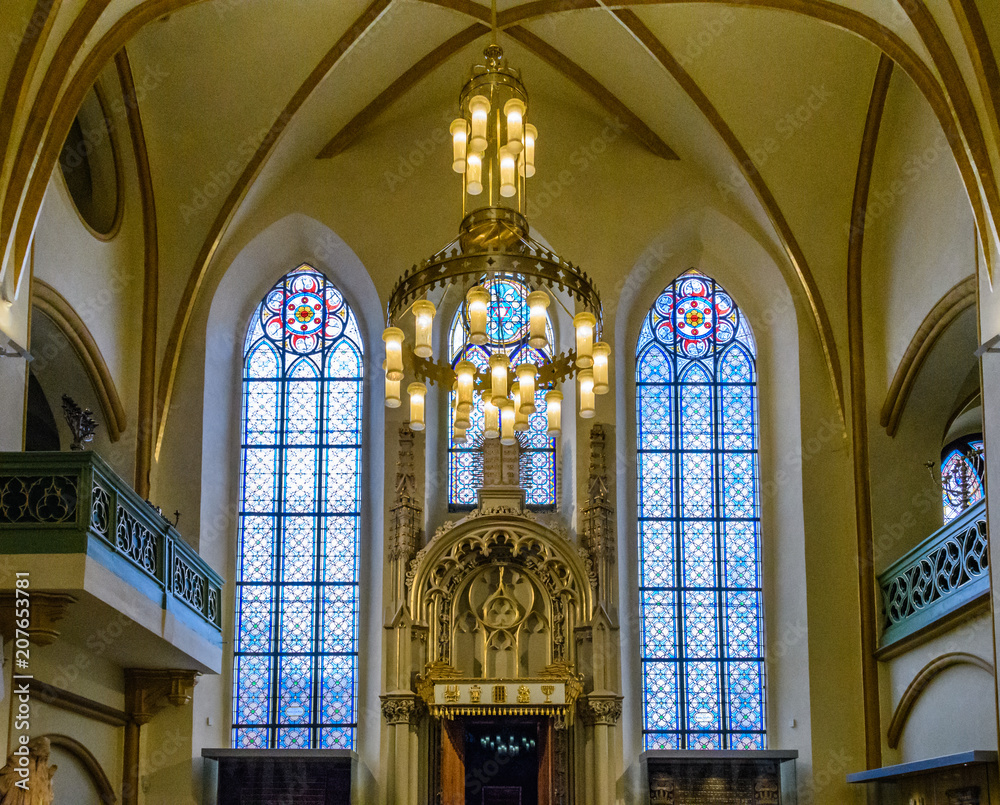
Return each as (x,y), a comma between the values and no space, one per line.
(494,151)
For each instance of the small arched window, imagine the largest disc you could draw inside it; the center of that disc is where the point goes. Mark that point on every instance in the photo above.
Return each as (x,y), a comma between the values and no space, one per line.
(963,475)
(699,522)
(296,646)
(506,331)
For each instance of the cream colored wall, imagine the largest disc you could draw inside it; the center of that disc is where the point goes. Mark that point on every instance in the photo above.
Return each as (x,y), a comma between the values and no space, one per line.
(83,669)
(200,462)
(952,714)
(793,615)
(103,281)
(919,243)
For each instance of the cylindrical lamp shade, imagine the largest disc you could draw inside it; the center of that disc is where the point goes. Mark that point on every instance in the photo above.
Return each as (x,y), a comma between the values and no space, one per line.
(586,393)
(520,419)
(463,412)
(515,109)
(553,412)
(499,363)
(508,173)
(418,393)
(584,324)
(602,358)
(479,107)
(526,378)
(459,144)
(458,436)
(478,302)
(465,373)
(391,392)
(528,155)
(538,302)
(423,312)
(474,175)
(507,437)
(491,420)
(393,338)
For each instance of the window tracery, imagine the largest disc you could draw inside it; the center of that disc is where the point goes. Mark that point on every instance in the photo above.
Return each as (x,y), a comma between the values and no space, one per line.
(295,675)
(699,522)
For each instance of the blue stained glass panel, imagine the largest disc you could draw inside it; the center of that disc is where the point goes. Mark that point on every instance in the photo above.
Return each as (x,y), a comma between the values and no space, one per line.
(296,642)
(699,522)
(507,331)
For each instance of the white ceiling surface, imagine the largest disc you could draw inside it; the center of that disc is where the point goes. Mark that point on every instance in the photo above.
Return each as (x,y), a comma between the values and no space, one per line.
(231,67)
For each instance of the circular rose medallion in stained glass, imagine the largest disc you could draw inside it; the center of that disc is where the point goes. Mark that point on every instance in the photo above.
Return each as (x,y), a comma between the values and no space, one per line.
(694,318)
(303,314)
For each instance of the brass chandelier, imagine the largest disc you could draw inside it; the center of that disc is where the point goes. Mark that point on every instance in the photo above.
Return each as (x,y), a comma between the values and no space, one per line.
(494,151)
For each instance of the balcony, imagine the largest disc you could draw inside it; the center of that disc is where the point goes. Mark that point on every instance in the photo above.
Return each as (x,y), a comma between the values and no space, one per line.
(941,579)
(71,522)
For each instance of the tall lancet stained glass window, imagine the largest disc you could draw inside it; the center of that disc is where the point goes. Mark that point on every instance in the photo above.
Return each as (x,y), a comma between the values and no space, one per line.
(699,522)
(507,331)
(296,645)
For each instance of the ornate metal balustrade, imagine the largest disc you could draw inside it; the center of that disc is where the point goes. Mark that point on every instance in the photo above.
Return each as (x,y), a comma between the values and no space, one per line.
(61,503)
(944,575)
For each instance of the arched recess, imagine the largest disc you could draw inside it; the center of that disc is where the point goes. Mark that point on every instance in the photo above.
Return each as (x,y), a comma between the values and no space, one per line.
(54,305)
(790,405)
(212,391)
(90,763)
(961,297)
(924,677)
(28,188)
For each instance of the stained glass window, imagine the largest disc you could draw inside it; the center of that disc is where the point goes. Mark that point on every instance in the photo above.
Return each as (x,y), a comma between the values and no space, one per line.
(963,472)
(296,642)
(507,330)
(699,522)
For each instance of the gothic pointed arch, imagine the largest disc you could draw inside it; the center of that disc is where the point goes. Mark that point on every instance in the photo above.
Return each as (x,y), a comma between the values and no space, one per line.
(699,522)
(297,603)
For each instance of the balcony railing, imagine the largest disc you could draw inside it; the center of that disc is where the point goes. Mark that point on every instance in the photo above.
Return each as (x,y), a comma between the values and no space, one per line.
(946,574)
(63,503)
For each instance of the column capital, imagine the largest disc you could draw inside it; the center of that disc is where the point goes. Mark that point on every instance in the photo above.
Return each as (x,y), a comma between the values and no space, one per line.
(600,709)
(401,708)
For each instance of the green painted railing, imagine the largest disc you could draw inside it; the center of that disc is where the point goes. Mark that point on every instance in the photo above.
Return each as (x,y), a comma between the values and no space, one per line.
(947,572)
(61,503)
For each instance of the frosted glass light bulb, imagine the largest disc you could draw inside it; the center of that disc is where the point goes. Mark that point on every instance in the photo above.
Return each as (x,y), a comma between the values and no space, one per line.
(478,301)
(586,393)
(538,302)
(491,420)
(474,175)
(553,412)
(479,107)
(584,324)
(423,312)
(466,375)
(602,358)
(515,109)
(459,144)
(508,171)
(391,392)
(499,363)
(418,393)
(526,379)
(507,437)
(393,338)
(528,157)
